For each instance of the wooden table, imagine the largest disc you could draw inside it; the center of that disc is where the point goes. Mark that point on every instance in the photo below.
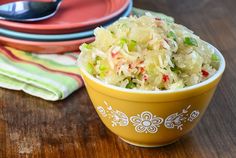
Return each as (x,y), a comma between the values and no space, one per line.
(31,127)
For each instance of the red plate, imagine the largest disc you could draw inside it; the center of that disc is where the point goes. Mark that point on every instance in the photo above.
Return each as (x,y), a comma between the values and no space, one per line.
(44,47)
(73,16)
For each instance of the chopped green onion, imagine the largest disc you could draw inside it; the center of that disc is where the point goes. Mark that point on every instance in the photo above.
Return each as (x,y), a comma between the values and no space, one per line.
(102,75)
(149,47)
(132,45)
(172,35)
(98,58)
(123,41)
(190,41)
(175,69)
(90,68)
(112,32)
(102,67)
(87,46)
(214,58)
(215,61)
(130,85)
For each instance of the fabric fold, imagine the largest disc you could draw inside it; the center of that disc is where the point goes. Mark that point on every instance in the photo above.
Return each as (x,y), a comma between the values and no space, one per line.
(53,77)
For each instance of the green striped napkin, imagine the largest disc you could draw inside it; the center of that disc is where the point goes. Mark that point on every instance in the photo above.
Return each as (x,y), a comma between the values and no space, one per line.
(51,77)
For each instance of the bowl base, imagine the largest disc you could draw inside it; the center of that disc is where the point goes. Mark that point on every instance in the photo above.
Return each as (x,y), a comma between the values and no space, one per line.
(146,145)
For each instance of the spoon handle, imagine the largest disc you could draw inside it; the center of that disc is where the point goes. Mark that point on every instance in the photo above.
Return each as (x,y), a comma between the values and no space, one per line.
(57,1)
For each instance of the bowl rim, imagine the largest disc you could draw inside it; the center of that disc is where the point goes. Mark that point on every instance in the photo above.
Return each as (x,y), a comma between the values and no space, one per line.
(140,91)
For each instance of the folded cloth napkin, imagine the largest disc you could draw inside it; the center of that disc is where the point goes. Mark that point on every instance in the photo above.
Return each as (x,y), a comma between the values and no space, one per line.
(48,76)
(51,77)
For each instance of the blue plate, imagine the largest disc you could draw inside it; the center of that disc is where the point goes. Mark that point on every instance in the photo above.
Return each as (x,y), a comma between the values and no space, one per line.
(61,37)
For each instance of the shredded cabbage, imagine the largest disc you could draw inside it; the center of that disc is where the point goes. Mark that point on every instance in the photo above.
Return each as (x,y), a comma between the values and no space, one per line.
(150,54)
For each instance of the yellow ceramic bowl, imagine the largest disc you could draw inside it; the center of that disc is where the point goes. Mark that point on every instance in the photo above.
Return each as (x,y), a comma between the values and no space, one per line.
(151,118)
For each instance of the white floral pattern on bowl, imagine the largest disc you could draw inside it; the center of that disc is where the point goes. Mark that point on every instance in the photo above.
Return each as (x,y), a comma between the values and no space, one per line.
(194,114)
(177,119)
(118,117)
(146,122)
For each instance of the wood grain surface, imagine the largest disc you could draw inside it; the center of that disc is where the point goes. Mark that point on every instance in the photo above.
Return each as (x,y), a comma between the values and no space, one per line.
(31,127)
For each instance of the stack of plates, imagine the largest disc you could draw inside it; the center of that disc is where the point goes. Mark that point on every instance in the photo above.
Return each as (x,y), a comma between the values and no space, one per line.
(72,25)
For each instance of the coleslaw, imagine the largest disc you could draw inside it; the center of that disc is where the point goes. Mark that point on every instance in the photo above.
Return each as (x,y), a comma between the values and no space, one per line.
(149,53)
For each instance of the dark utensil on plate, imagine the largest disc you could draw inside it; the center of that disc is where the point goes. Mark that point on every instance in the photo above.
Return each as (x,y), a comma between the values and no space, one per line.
(25,11)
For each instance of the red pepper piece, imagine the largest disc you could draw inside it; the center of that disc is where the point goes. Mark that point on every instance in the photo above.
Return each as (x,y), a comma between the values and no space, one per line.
(114,54)
(205,73)
(145,77)
(165,78)
(142,70)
